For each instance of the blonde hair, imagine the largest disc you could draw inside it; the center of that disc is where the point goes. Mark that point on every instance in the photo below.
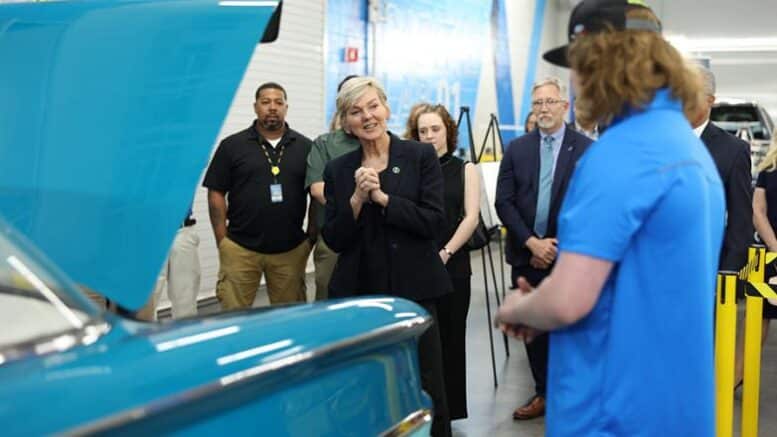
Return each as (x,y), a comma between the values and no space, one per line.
(618,70)
(354,89)
(769,163)
(334,123)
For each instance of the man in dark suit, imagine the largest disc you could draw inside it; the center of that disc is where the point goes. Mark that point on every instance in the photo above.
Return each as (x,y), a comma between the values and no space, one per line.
(533,178)
(732,158)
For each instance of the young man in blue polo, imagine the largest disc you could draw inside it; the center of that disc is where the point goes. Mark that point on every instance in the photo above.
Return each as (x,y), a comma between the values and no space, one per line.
(628,301)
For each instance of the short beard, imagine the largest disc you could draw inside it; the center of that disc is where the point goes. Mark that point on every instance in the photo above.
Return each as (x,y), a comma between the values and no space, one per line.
(271,125)
(545,123)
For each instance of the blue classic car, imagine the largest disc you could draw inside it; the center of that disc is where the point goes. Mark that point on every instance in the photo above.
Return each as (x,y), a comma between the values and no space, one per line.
(109,111)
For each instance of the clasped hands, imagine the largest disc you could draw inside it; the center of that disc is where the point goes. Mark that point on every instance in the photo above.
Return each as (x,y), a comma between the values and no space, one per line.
(544,252)
(505,318)
(368,186)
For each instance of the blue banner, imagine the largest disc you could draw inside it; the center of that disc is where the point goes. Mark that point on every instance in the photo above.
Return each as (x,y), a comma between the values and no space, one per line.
(431,50)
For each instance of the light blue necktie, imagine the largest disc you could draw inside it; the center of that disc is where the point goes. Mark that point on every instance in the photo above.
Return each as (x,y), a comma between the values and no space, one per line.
(545,186)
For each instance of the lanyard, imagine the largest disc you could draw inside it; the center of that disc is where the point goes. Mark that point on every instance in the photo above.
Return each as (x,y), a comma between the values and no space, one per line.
(275,168)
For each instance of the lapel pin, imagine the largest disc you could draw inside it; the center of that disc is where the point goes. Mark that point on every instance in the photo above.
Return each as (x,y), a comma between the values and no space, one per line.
(395,170)
(569,149)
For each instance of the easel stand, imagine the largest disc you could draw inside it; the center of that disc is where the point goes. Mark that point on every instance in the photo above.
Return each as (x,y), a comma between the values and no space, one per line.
(494,232)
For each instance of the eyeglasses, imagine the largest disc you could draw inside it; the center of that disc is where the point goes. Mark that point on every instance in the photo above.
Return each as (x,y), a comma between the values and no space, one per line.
(537,104)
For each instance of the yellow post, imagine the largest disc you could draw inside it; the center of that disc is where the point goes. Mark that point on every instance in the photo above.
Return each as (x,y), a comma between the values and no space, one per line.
(753,321)
(725,341)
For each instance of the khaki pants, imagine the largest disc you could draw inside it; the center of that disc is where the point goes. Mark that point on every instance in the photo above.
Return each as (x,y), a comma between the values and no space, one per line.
(180,274)
(324,259)
(241,272)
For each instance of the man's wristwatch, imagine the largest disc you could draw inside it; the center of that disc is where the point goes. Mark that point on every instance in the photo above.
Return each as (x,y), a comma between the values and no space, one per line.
(447,251)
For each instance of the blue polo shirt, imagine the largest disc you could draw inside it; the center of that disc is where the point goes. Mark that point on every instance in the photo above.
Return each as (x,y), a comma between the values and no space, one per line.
(648,198)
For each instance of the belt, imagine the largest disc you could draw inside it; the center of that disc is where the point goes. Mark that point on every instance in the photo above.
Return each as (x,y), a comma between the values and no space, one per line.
(189,222)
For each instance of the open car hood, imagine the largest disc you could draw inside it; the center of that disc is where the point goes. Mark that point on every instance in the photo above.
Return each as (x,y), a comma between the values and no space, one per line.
(108,112)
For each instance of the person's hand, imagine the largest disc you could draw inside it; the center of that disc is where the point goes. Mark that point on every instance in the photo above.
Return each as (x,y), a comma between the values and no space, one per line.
(444,256)
(505,319)
(545,249)
(378,196)
(366,179)
(538,263)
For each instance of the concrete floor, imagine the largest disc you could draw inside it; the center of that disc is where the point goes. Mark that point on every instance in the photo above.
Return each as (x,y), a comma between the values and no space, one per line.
(490,409)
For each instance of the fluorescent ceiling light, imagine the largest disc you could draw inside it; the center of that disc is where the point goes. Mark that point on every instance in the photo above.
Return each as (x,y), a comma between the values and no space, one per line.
(722,45)
(248,3)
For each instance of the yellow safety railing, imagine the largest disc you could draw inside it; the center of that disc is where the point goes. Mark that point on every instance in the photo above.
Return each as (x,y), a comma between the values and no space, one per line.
(756,290)
(725,345)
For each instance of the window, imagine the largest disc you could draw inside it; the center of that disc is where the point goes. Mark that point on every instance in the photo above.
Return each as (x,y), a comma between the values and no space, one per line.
(34,303)
(734,117)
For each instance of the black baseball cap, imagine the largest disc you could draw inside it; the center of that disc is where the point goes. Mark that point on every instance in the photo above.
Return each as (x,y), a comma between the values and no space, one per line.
(592,16)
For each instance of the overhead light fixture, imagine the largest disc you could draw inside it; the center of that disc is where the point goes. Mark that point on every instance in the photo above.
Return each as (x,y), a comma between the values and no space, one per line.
(723,45)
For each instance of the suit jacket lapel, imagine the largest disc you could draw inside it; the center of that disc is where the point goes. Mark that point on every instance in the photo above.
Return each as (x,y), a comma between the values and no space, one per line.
(533,163)
(563,164)
(396,164)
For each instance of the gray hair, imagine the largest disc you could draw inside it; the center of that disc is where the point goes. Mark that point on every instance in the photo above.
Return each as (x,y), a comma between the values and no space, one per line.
(354,89)
(708,80)
(556,82)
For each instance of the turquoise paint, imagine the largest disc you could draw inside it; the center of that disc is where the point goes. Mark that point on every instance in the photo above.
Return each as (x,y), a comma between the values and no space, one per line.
(111,109)
(533,57)
(321,373)
(363,389)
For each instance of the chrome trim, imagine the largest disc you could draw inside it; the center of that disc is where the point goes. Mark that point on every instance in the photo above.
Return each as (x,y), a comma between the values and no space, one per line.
(60,342)
(409,424)
(415,325)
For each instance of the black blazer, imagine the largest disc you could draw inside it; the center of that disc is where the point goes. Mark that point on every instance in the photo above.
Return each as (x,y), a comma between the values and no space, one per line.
(517,184)
(732,157)
(413,217)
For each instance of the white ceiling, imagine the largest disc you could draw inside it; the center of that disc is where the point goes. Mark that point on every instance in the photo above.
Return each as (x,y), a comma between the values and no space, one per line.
(738,37)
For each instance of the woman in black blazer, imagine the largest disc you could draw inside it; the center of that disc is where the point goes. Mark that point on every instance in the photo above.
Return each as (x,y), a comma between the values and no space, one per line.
(384,208)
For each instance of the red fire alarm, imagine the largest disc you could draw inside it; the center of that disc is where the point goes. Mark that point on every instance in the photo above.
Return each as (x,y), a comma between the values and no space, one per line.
(351,54)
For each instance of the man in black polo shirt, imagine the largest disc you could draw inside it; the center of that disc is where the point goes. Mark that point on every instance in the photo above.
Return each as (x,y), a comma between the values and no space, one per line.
(257,201)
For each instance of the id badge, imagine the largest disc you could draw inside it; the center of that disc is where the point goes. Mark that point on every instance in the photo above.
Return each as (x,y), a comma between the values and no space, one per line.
(276,193)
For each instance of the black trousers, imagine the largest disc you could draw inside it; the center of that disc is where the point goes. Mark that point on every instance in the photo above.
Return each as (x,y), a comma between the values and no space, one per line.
(537,350)
(432,379)
(452,311)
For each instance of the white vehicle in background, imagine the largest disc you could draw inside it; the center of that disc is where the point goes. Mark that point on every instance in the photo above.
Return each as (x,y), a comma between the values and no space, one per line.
(747,120)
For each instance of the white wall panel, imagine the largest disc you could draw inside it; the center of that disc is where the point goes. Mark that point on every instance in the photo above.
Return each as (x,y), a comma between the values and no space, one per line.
(296,61)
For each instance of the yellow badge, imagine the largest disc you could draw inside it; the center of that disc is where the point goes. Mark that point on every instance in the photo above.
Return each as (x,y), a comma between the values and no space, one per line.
(275,170)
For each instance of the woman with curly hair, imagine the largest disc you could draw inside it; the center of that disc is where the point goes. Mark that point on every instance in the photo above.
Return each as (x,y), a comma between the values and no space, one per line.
(433,124)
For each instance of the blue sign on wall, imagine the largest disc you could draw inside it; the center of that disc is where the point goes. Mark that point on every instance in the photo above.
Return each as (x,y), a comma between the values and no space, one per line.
(431,50)
(424,50)
(346,27)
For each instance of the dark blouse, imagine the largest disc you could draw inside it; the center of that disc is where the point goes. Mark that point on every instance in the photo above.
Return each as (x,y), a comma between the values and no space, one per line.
(768,181)
(453,177)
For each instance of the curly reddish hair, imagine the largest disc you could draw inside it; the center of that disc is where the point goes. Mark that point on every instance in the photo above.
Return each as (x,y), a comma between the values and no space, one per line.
(618,70)
(419,109)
